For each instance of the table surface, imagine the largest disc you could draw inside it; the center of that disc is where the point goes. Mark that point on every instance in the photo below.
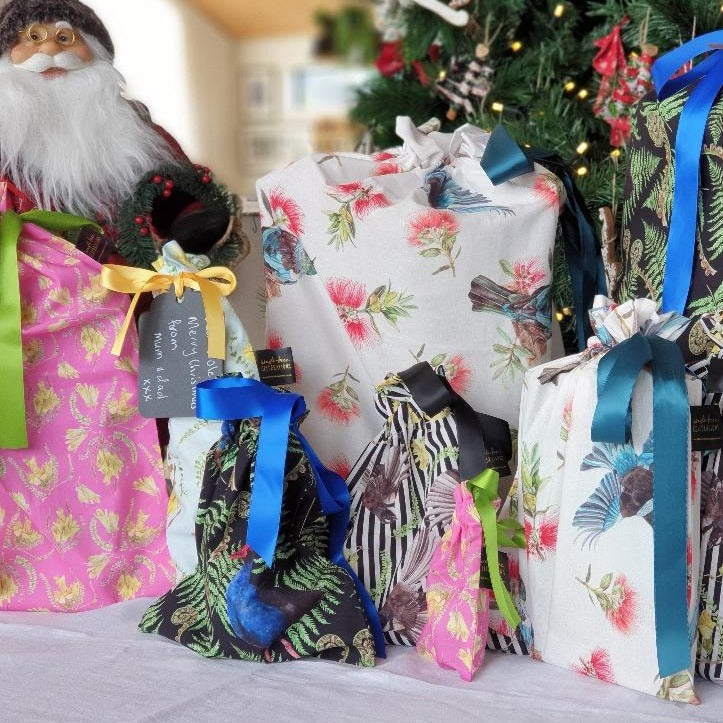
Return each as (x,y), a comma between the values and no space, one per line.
(97,667)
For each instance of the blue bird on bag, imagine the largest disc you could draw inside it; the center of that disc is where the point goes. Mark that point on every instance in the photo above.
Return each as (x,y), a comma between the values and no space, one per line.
(259,616)
(444,192)
(625,491)
(534,308)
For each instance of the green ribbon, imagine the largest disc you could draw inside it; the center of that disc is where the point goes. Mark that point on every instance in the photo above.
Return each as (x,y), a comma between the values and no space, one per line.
(13,429)
(505,533)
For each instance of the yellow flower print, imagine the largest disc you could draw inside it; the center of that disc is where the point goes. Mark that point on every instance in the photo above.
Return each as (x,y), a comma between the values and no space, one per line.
(120,409)
(32,351)
(64,529)
(28,313)
(67,596)
(45,400)
(96,565)
(8,588)
(95,292)
(127,586)
(93,342)
(2,515)
(67,371)
(125,364)
(174,505)
(74,438)
(88,393)
(86,495)
(466,657)
(138,533)
(109,464)
(421,454)
(436,600)
(146,485)
(60,296)
(41,476)
(706,625)
(108,519)
(59,325)
(45,283)
(457,627)
(24,536)
(20,501)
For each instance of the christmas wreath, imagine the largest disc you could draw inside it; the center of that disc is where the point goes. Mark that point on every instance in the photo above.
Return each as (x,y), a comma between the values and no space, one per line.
(185,204)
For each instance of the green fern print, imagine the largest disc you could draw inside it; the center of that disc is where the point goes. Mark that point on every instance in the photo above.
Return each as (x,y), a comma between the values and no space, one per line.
(648,206)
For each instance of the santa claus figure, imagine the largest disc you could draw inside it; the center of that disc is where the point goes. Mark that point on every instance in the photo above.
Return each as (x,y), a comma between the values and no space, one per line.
(71,141)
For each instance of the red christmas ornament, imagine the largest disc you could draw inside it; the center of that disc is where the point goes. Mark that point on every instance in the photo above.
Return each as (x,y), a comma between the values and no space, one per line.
(157,179)
(145,231)
(390,60)
(167,193)
(139,220)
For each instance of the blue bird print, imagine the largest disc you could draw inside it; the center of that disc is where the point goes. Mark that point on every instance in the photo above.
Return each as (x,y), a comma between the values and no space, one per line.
(444,192)
(259,616)
(534,308)
(625,491)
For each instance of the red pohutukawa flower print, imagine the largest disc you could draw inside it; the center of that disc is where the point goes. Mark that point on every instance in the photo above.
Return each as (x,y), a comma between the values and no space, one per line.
(616,598)
(274,340)
(455,367)
(339,402)
(340,465)
(357,202)
(386,164)
(435,233)
(596,665)
(357,311)
(549,188)
(542,536)
(527,275)
(285,212)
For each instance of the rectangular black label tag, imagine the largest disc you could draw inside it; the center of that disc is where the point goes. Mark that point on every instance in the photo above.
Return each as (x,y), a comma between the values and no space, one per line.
(173,355)
(706,427)
(276,366)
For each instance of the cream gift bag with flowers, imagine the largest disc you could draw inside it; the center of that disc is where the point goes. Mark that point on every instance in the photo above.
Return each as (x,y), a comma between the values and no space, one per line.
(377,262)
(597,514)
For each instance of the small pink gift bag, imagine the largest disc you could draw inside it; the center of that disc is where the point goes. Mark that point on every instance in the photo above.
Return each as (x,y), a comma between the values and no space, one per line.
(458,607)
(83,501)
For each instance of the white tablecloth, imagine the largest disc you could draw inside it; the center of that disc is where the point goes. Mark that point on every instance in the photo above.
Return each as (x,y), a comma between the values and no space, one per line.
(97,667)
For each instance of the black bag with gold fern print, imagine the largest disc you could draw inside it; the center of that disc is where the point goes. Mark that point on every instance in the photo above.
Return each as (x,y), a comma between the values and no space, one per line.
(648,204)
(306,602)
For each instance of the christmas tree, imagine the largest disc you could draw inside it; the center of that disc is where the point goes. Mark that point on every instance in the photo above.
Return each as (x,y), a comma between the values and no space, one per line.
(560,75)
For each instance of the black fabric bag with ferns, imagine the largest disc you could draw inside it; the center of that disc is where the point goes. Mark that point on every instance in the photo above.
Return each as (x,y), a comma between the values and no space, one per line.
(648,201)
(233,605)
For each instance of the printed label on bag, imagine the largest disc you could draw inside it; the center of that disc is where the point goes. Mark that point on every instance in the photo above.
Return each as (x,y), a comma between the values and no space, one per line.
(706,426)
(173,355)
(276,366)
(97,245)
(714,381)
(495,459)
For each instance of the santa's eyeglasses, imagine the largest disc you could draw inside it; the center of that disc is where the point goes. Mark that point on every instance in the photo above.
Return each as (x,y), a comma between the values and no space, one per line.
(37,34)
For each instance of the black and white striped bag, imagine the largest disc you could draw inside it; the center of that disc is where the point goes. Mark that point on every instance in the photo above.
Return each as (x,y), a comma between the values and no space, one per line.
(709,664)
(402,489)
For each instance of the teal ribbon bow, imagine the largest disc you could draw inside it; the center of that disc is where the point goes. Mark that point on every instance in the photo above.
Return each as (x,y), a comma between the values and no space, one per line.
(617,373)
(504,160)
(708,77)
(233,398)
(506,533)
(13,428)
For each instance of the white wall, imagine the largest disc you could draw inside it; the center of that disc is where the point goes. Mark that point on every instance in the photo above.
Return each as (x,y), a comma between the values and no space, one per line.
(183,68)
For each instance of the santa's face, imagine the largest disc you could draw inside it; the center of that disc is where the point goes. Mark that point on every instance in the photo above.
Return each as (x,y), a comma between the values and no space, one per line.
(52,49)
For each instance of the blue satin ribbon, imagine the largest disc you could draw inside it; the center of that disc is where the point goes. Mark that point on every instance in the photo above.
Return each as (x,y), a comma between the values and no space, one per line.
(504,160)
(688,147)
(617,373)
(233,398)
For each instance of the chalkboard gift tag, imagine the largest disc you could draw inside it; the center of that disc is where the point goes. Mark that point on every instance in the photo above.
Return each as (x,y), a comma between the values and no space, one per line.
(174,355)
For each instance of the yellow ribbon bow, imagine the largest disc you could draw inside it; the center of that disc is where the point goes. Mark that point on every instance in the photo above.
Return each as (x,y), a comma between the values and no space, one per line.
(213,283)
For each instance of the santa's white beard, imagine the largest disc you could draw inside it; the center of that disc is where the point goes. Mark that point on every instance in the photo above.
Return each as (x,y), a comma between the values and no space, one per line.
(73,142)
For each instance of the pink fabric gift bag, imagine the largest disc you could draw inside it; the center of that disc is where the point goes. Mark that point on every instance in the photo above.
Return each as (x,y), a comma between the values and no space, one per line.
(83,508)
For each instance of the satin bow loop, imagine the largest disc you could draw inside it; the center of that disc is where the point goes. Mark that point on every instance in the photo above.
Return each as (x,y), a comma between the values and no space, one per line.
(213,283)
(13,430)
(484,489)
(708,79)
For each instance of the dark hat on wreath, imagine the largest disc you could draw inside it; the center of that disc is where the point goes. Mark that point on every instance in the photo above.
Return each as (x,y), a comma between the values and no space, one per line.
(16,15)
